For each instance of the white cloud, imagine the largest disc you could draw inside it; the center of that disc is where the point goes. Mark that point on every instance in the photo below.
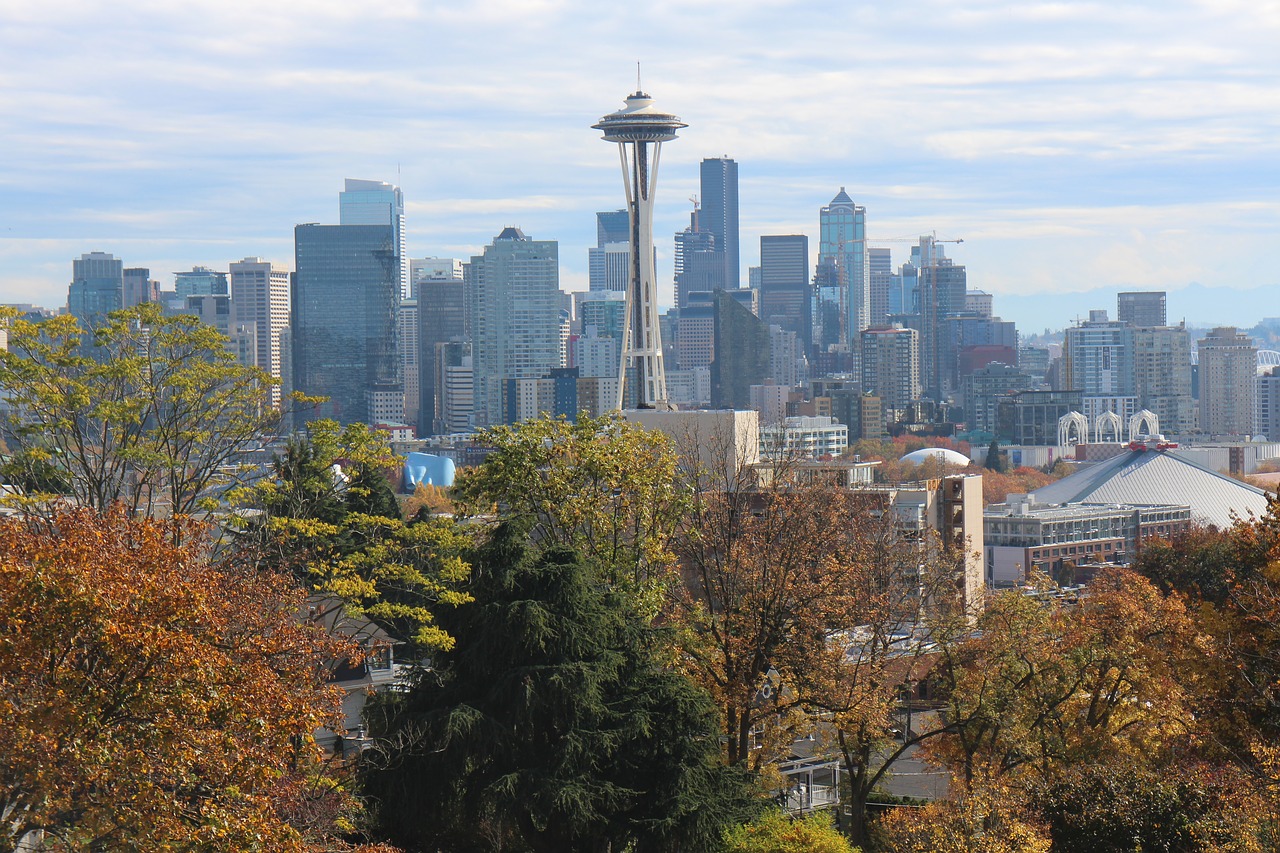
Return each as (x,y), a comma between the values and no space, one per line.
(1051,135)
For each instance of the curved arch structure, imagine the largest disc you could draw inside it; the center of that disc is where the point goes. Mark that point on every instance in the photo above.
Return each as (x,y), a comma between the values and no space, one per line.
(1267,359)
(1108,429)
(1145,422)
(1073,429)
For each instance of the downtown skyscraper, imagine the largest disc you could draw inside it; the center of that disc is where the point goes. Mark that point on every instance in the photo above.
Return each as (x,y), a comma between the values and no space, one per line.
(1228,382)
(377,203)
(97,287)
(842,246)
(260,305)
(786,296)
(513,295)
(345,312)
(719,216)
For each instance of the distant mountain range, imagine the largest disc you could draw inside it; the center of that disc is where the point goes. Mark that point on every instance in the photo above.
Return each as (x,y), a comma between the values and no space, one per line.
(1200,306)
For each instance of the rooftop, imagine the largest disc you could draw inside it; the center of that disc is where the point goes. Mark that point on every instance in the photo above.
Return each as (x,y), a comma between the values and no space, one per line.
(1151,478)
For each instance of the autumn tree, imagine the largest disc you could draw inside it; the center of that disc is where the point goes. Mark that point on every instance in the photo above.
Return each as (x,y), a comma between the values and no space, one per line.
(152,697)
(907,613)
(1053,683)
(553,724)
(1122,806)
(601,486)
(987,818)
(998,485)
(1051,689)
(776,832)
(766,584)
(148,410)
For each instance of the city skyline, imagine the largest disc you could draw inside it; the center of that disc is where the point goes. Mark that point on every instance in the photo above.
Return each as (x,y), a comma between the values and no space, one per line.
(1072,146)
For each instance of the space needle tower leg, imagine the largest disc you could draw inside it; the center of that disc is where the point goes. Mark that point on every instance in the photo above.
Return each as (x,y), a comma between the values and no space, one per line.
(637,129)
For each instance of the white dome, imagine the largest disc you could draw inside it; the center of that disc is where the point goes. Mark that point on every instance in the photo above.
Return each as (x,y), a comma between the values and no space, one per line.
(950,457)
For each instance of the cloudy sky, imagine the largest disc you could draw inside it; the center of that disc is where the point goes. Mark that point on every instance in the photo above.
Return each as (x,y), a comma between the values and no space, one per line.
(1074,146)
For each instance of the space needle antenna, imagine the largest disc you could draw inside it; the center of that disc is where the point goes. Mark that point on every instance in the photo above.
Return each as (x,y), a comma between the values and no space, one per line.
(639,129)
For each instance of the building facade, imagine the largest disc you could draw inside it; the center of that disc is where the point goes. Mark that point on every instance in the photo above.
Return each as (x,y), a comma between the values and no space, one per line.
(378,203)
(697,265)
(891,365)
(344,319)
(1228,382)
(443,318)
(786,295)
(97,287)
(1267,421)
(742,353)
(1162,376)
(1022,537)
(261,297)
(719,214)
(803,438)
(1141,308)
(513,290)
(842,243)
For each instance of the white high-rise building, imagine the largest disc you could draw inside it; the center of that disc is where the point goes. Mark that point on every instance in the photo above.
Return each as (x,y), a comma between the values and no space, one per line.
(260,299)
(891,365)
(1267,420)
(514,294)
(409,360)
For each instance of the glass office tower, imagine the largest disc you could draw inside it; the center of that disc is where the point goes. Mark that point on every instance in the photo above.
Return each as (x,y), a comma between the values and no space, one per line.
(345,335)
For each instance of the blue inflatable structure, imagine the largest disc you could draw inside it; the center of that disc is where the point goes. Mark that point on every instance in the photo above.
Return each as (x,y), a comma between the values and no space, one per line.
(428,470)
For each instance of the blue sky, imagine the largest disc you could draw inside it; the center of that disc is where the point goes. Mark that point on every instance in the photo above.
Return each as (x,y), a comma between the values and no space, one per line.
(1074,146)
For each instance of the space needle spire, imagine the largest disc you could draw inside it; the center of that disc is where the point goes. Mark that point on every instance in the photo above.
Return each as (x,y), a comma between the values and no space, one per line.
(639,129)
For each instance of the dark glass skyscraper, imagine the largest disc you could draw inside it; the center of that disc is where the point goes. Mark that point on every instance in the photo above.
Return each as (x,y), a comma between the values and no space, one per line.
(1141,308)
(346,296)
(442,319)
(786,294)
(719,214)
(377,203)
(742,352)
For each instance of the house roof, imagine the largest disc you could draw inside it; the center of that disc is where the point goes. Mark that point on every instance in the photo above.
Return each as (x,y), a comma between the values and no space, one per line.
(1146,478)
(330,614)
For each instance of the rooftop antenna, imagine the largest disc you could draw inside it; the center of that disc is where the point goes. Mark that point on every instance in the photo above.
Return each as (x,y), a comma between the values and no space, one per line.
(638,87)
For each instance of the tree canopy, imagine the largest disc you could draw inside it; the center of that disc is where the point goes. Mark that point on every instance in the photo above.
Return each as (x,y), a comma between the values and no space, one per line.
(149,410)
(552,725)
(151,697)
(601,486)
(329,516)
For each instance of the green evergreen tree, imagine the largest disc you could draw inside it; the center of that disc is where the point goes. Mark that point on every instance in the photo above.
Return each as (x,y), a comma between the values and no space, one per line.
(551,726)
(995,459)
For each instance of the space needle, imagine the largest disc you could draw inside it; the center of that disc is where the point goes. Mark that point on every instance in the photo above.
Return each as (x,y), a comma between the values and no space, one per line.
(637,127)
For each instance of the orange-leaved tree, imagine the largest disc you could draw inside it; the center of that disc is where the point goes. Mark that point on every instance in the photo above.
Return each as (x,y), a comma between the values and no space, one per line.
(151,696)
